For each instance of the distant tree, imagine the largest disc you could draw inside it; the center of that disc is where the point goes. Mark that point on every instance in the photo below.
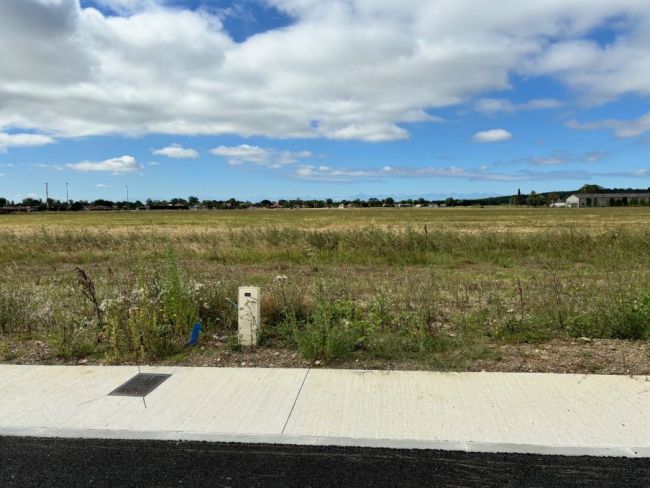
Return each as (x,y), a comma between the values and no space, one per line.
(591,189)
(78,205)
(193,201)
(103,203)
(389,202)
(31,202)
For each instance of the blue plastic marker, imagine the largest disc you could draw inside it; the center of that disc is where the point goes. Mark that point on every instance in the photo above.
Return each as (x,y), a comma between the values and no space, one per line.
(194,336)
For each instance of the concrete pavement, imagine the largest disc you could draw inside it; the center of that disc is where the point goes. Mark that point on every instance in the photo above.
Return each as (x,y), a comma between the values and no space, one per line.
(476,412)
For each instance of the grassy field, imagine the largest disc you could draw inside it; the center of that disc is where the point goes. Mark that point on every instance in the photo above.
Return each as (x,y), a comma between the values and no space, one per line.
(435,288)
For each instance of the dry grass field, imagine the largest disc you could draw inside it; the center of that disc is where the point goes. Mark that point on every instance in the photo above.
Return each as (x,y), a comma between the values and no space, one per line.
(510,289)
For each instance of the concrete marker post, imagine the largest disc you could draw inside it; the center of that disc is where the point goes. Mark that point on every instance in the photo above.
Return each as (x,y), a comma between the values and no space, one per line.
(249,315)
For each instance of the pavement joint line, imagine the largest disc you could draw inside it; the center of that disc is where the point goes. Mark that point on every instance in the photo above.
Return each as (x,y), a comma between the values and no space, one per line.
(295,401)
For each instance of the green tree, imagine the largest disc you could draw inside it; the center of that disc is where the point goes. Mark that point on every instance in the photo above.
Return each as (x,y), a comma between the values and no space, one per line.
(591,189)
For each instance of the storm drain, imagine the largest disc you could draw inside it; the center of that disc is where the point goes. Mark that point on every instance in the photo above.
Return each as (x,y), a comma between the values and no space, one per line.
(140,385)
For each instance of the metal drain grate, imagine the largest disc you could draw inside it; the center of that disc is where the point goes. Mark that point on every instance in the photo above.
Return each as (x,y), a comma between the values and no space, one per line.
(140,385)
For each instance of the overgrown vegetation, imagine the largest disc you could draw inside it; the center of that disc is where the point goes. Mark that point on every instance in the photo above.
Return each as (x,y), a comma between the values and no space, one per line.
(439,295)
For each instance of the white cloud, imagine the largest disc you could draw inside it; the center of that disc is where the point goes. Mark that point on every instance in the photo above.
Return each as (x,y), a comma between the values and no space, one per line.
(272,158)
(482,173)
(102,185)
(127,7)
(344,69)
(493,135)
(23,140)
(177,151)
(621,128)
(564,157)
(492,106)
(124,164)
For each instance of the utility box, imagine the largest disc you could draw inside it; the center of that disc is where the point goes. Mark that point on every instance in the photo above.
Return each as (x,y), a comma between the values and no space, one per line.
(249,315)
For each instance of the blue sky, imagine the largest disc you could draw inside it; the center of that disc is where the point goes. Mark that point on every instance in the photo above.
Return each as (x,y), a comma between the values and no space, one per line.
(299,98)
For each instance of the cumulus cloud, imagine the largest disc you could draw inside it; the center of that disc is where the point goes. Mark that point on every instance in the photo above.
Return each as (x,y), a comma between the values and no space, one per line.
(123,164)
(493,135)
(272,158)
(177,151)
(621,128)
(102,185)
(492,106)
(344,69)
(22,140)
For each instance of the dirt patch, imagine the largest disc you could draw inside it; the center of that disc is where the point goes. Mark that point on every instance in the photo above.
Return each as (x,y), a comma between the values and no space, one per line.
(606,356)
(602,356)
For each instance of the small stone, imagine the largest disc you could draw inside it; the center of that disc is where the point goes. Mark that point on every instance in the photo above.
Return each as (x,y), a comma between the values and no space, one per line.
(317,363)
(276,353)
(243,363)
(82,361)
(584,339)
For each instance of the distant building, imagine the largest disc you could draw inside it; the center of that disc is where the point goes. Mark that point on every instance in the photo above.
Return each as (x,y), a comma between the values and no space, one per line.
(178,206)
(18,209)
(608,200)
(98,208)
(573,201)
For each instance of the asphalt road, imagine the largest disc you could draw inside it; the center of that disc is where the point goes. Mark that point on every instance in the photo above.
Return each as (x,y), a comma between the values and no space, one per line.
(43,463)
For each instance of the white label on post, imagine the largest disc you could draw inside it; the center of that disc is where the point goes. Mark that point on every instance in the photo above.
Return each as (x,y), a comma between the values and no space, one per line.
(249,315)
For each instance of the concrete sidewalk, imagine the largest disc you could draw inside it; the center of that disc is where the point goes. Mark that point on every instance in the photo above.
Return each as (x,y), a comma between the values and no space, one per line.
(479,412)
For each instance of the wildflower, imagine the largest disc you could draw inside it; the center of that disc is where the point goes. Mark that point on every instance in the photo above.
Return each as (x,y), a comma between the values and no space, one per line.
(280,279)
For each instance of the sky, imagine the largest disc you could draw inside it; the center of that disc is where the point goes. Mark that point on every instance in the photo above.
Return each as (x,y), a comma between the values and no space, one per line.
(257,99)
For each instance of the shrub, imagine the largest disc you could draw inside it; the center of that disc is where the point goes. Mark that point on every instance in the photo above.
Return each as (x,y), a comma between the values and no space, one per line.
(330,331)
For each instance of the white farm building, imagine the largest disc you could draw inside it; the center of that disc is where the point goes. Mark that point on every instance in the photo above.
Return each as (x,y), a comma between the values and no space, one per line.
(608,200)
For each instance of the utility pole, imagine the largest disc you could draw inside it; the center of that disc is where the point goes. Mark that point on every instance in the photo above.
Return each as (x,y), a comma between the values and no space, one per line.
(67,195)
(127,196)
(47,196)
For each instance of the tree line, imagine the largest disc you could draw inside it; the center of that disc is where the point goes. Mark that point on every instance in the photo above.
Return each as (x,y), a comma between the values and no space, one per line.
(532,199)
